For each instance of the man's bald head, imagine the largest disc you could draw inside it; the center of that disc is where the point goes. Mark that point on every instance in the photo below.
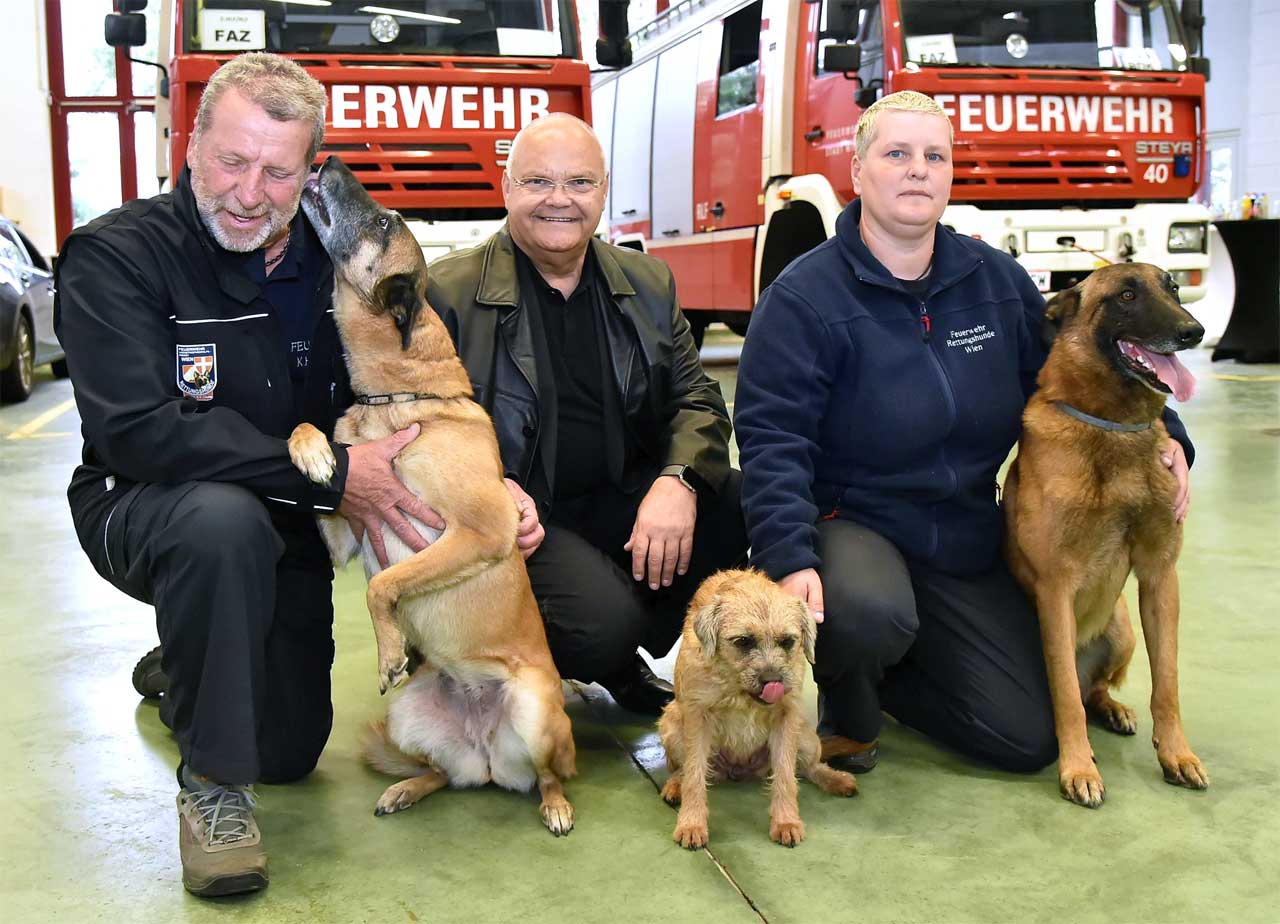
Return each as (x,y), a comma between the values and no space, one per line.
(559,130)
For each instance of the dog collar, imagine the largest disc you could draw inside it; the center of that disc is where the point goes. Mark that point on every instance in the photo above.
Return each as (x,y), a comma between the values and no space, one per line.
(1101,421)
(398,397)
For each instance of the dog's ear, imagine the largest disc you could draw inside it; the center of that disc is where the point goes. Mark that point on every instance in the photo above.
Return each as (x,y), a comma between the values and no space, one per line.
(1061,308)
(706,626)
(399,295)
(808,630)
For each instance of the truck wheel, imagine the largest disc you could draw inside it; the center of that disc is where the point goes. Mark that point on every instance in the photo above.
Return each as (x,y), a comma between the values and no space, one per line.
(698,323)
(60,370)
(737,321)
(16,381)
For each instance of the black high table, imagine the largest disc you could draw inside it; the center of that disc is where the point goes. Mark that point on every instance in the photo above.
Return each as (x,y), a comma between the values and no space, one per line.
(1253,330)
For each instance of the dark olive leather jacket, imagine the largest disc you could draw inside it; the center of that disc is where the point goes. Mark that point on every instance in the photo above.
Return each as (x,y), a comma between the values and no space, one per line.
(671,408)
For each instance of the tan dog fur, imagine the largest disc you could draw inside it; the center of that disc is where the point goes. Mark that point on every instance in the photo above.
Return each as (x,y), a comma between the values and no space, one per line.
(464,602)
(741,630)
(1084,507)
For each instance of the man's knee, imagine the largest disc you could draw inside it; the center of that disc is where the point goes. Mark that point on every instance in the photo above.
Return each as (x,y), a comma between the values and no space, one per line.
(595,648)
(222,523)
(290,754)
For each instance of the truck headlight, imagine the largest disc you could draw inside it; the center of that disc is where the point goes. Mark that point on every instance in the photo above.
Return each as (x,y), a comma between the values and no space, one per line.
(1188,237)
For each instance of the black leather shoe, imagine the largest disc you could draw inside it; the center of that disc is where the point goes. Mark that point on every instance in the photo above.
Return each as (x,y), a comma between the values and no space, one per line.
(148,679)
(639,689)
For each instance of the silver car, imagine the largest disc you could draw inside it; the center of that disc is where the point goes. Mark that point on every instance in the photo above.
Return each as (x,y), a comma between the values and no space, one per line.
(26,315)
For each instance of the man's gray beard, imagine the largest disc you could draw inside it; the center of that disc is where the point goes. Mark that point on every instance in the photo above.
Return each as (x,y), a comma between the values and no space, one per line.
(208,207)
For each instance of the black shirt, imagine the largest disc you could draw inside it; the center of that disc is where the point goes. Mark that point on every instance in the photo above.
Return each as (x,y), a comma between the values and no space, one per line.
(571,327)
(291,289)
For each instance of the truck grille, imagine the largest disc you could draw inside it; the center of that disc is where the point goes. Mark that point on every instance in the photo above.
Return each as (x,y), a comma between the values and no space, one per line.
(996,170)
(413,168)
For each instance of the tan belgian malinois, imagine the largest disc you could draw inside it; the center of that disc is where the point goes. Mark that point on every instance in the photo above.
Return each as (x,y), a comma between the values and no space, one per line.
(1088,501)
(486,704)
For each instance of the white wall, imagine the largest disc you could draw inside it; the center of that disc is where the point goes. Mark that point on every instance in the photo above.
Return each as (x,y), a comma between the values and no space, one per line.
(1244,90)
(26,178)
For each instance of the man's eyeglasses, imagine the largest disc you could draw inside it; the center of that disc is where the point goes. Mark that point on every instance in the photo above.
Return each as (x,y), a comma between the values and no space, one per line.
(574,186)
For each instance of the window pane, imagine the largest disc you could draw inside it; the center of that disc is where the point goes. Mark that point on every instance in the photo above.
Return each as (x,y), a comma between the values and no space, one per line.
(93,143)
(144,76)
(144,150)
(89,63)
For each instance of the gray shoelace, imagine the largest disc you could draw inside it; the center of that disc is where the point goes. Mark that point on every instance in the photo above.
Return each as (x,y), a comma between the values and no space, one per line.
(227,812)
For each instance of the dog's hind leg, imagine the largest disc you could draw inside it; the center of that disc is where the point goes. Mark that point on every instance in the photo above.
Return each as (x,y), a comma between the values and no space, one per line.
(399,796)
(536,713)
(1101,665)
(827,778)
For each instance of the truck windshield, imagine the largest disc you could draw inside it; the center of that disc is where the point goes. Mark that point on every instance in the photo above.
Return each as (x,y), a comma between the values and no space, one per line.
(539,28)
(1129,34)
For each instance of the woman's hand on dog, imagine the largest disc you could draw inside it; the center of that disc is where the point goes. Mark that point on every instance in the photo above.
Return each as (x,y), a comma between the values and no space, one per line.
(1175,459)
(808,587)
(374,496)
(529,532)
(661,542)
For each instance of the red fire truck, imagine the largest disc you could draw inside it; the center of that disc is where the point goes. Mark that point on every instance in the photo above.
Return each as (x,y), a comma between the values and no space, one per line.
(424,97)
(1079,132)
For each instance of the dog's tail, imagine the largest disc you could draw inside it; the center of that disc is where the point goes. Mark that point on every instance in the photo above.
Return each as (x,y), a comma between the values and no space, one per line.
(380,752)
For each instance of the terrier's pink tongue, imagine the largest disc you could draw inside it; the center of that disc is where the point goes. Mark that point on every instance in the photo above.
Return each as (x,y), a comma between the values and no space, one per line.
(1170,371)
(772,691)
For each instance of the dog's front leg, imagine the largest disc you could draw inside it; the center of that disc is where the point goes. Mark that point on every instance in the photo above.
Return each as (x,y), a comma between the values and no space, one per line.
(785,826)
(393,660)
(1078,776)
(691,824)
(1158,604)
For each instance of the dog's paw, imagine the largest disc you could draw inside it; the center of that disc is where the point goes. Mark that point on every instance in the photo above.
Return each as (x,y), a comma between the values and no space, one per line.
(392,670)
(787,833)
(557,816)
(690,835)
(311,454)
(1184,769)
(1118,717)
(397,798)
(1082,786)
(841,783)
(671,790)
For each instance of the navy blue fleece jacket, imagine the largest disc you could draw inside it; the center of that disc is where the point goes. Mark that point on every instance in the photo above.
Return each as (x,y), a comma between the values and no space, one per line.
(859,400)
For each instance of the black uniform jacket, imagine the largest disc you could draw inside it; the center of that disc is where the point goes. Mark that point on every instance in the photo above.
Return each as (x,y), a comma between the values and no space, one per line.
(178,362)
(673,412)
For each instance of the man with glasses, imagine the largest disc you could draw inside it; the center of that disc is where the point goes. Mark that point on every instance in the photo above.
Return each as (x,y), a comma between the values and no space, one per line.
(612,435)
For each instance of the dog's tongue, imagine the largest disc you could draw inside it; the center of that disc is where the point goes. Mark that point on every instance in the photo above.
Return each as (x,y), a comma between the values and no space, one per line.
(772,691)
(1170,371)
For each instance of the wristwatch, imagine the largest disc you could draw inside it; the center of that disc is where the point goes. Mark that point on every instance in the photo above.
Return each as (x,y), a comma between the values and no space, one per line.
(680,471)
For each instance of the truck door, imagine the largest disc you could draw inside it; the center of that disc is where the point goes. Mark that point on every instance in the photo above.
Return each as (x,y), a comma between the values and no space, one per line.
(632,137)
(829,105)
(729,142)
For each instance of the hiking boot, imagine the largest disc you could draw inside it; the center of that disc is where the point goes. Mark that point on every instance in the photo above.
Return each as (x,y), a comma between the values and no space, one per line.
(148,678)
(219,840)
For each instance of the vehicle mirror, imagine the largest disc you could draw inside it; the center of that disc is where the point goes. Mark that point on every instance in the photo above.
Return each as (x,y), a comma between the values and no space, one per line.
(842,58)
(1198,65)
(130,6)
(125,30)
(1192,16)
(842,20)
(613,48)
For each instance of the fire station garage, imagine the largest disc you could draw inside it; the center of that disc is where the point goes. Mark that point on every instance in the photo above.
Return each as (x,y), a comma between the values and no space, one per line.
(1116,159)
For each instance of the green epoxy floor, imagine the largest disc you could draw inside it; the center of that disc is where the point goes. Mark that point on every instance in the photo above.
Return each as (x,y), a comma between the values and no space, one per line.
(90,830)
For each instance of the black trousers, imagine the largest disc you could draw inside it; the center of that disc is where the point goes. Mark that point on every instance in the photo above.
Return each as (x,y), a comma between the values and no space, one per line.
(955,657)
(595,613)
(244,610)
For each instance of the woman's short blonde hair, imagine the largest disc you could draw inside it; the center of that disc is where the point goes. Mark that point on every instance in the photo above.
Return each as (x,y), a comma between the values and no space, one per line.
(902,101)
(278,85)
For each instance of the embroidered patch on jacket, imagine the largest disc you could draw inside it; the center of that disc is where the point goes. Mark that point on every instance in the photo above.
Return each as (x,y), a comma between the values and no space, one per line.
(198,369)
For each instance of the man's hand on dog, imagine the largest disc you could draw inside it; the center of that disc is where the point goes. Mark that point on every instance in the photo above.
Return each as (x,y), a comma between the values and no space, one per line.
(374,496)
(661,542)
(529,532)
(1175,459)
(808,587)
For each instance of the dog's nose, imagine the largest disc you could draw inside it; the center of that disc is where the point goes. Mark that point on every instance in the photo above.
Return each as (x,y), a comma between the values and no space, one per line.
(1190,334)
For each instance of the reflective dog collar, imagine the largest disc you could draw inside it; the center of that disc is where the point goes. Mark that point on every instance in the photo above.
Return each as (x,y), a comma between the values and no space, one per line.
(397,398)
(1101,421)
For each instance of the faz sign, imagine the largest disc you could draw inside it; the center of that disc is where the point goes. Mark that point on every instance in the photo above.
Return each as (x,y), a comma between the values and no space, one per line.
(1025,112)
(374,106)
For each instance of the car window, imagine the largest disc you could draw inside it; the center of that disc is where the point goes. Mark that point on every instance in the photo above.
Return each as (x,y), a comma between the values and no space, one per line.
(33,253)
